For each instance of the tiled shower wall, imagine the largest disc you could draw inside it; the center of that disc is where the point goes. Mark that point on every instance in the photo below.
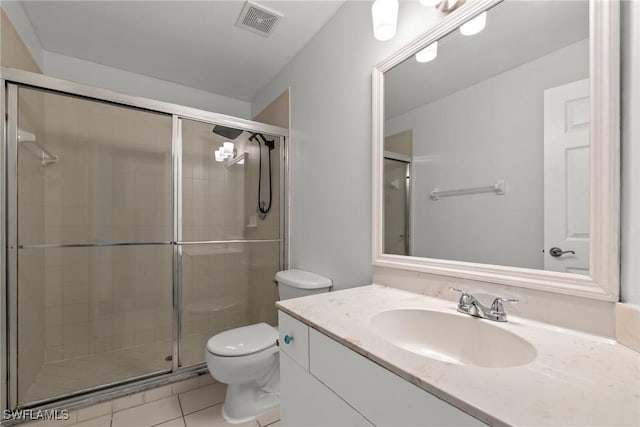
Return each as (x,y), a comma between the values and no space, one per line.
(225,285)
(103,299)
(213,276)
(112,183)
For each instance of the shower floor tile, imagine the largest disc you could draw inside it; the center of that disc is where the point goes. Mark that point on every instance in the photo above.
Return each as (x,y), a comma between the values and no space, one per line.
(72,375)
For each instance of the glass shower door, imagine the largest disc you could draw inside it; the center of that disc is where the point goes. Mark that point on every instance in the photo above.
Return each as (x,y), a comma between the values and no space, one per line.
(230,249)
(93,245)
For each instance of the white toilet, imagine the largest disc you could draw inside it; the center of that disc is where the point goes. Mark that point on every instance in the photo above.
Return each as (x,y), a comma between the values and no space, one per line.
(246,358)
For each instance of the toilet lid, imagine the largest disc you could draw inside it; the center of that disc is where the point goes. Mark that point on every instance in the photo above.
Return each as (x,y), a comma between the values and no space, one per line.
(242,341)
(302,279)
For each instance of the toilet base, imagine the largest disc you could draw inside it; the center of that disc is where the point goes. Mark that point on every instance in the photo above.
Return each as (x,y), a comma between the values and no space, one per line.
(243,403)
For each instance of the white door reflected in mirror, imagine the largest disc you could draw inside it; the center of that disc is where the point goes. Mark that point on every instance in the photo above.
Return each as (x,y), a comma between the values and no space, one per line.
(566,178)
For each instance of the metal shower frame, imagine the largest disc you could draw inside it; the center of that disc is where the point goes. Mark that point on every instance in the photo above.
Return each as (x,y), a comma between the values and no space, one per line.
(10,80)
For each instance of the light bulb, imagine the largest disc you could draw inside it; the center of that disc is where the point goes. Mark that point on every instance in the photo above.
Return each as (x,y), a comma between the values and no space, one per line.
(228,147)
(427,54)
(474,26)
(384,14)
(218,155)
(429,3)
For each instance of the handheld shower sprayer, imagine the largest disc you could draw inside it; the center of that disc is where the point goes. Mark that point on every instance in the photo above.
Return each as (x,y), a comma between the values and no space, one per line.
(264,207)
(269,144)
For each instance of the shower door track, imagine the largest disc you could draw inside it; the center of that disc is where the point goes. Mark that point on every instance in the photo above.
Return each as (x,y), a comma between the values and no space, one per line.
(10,79)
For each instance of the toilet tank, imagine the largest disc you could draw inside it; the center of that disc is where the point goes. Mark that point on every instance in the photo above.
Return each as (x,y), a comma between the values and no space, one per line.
(298,283)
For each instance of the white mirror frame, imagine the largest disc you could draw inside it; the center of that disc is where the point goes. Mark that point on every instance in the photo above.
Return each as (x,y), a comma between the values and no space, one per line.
(604,69)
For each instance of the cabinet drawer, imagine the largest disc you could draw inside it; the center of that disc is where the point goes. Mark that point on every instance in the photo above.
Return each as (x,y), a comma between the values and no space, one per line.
(294,339)
(381,396)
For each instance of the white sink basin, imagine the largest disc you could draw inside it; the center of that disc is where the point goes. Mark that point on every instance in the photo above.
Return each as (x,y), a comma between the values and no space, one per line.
(462,340)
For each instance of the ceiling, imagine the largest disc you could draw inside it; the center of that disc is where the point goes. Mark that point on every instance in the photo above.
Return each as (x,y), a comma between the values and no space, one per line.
(517,32)
(194,43)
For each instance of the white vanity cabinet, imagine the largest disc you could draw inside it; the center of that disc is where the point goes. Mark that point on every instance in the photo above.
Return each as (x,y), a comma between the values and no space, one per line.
(323,383)
(305,401)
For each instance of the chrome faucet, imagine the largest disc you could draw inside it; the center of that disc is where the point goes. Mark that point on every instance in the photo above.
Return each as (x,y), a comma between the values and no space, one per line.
(468,304)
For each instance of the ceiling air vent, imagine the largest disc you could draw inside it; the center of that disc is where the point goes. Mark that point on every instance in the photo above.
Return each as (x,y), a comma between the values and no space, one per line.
(258,19)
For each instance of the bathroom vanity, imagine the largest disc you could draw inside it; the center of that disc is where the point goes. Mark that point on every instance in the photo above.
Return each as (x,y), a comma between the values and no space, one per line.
(324,383)
(341,368)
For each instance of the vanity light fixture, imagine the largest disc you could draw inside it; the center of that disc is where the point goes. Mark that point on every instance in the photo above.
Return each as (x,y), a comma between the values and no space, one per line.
(226,151)
(475,25)
(444,6)
(429,53)
(384,14)
(448,6)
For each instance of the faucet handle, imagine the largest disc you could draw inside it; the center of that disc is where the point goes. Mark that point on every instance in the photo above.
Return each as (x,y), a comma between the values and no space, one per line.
(496,306)
(465,297)
(462,293)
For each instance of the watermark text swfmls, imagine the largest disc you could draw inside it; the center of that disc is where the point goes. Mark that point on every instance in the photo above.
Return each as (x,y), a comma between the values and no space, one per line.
(36,414)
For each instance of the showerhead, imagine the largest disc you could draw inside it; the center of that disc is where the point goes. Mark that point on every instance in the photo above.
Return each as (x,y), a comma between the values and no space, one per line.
(229,133)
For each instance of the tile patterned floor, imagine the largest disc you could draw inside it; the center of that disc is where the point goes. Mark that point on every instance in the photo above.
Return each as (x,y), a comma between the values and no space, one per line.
(199,407)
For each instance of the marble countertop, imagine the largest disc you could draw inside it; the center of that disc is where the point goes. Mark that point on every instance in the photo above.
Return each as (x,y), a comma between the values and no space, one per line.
(577,379)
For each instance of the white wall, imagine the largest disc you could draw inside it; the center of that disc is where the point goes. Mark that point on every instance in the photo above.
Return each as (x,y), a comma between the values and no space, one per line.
(330,82)
(630,274)
(90,73)
(493,129)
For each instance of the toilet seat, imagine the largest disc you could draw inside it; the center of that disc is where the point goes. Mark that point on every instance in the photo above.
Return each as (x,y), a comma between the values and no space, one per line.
(243,341)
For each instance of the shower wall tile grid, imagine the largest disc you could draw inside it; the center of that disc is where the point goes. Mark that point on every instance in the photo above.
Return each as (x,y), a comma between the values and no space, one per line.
(103,299)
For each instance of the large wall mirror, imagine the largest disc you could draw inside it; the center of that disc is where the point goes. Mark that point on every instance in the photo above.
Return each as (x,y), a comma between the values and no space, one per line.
(496,147)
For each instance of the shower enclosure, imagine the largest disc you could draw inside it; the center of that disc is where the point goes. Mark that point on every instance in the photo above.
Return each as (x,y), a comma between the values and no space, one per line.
(127,241)
(397,204)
